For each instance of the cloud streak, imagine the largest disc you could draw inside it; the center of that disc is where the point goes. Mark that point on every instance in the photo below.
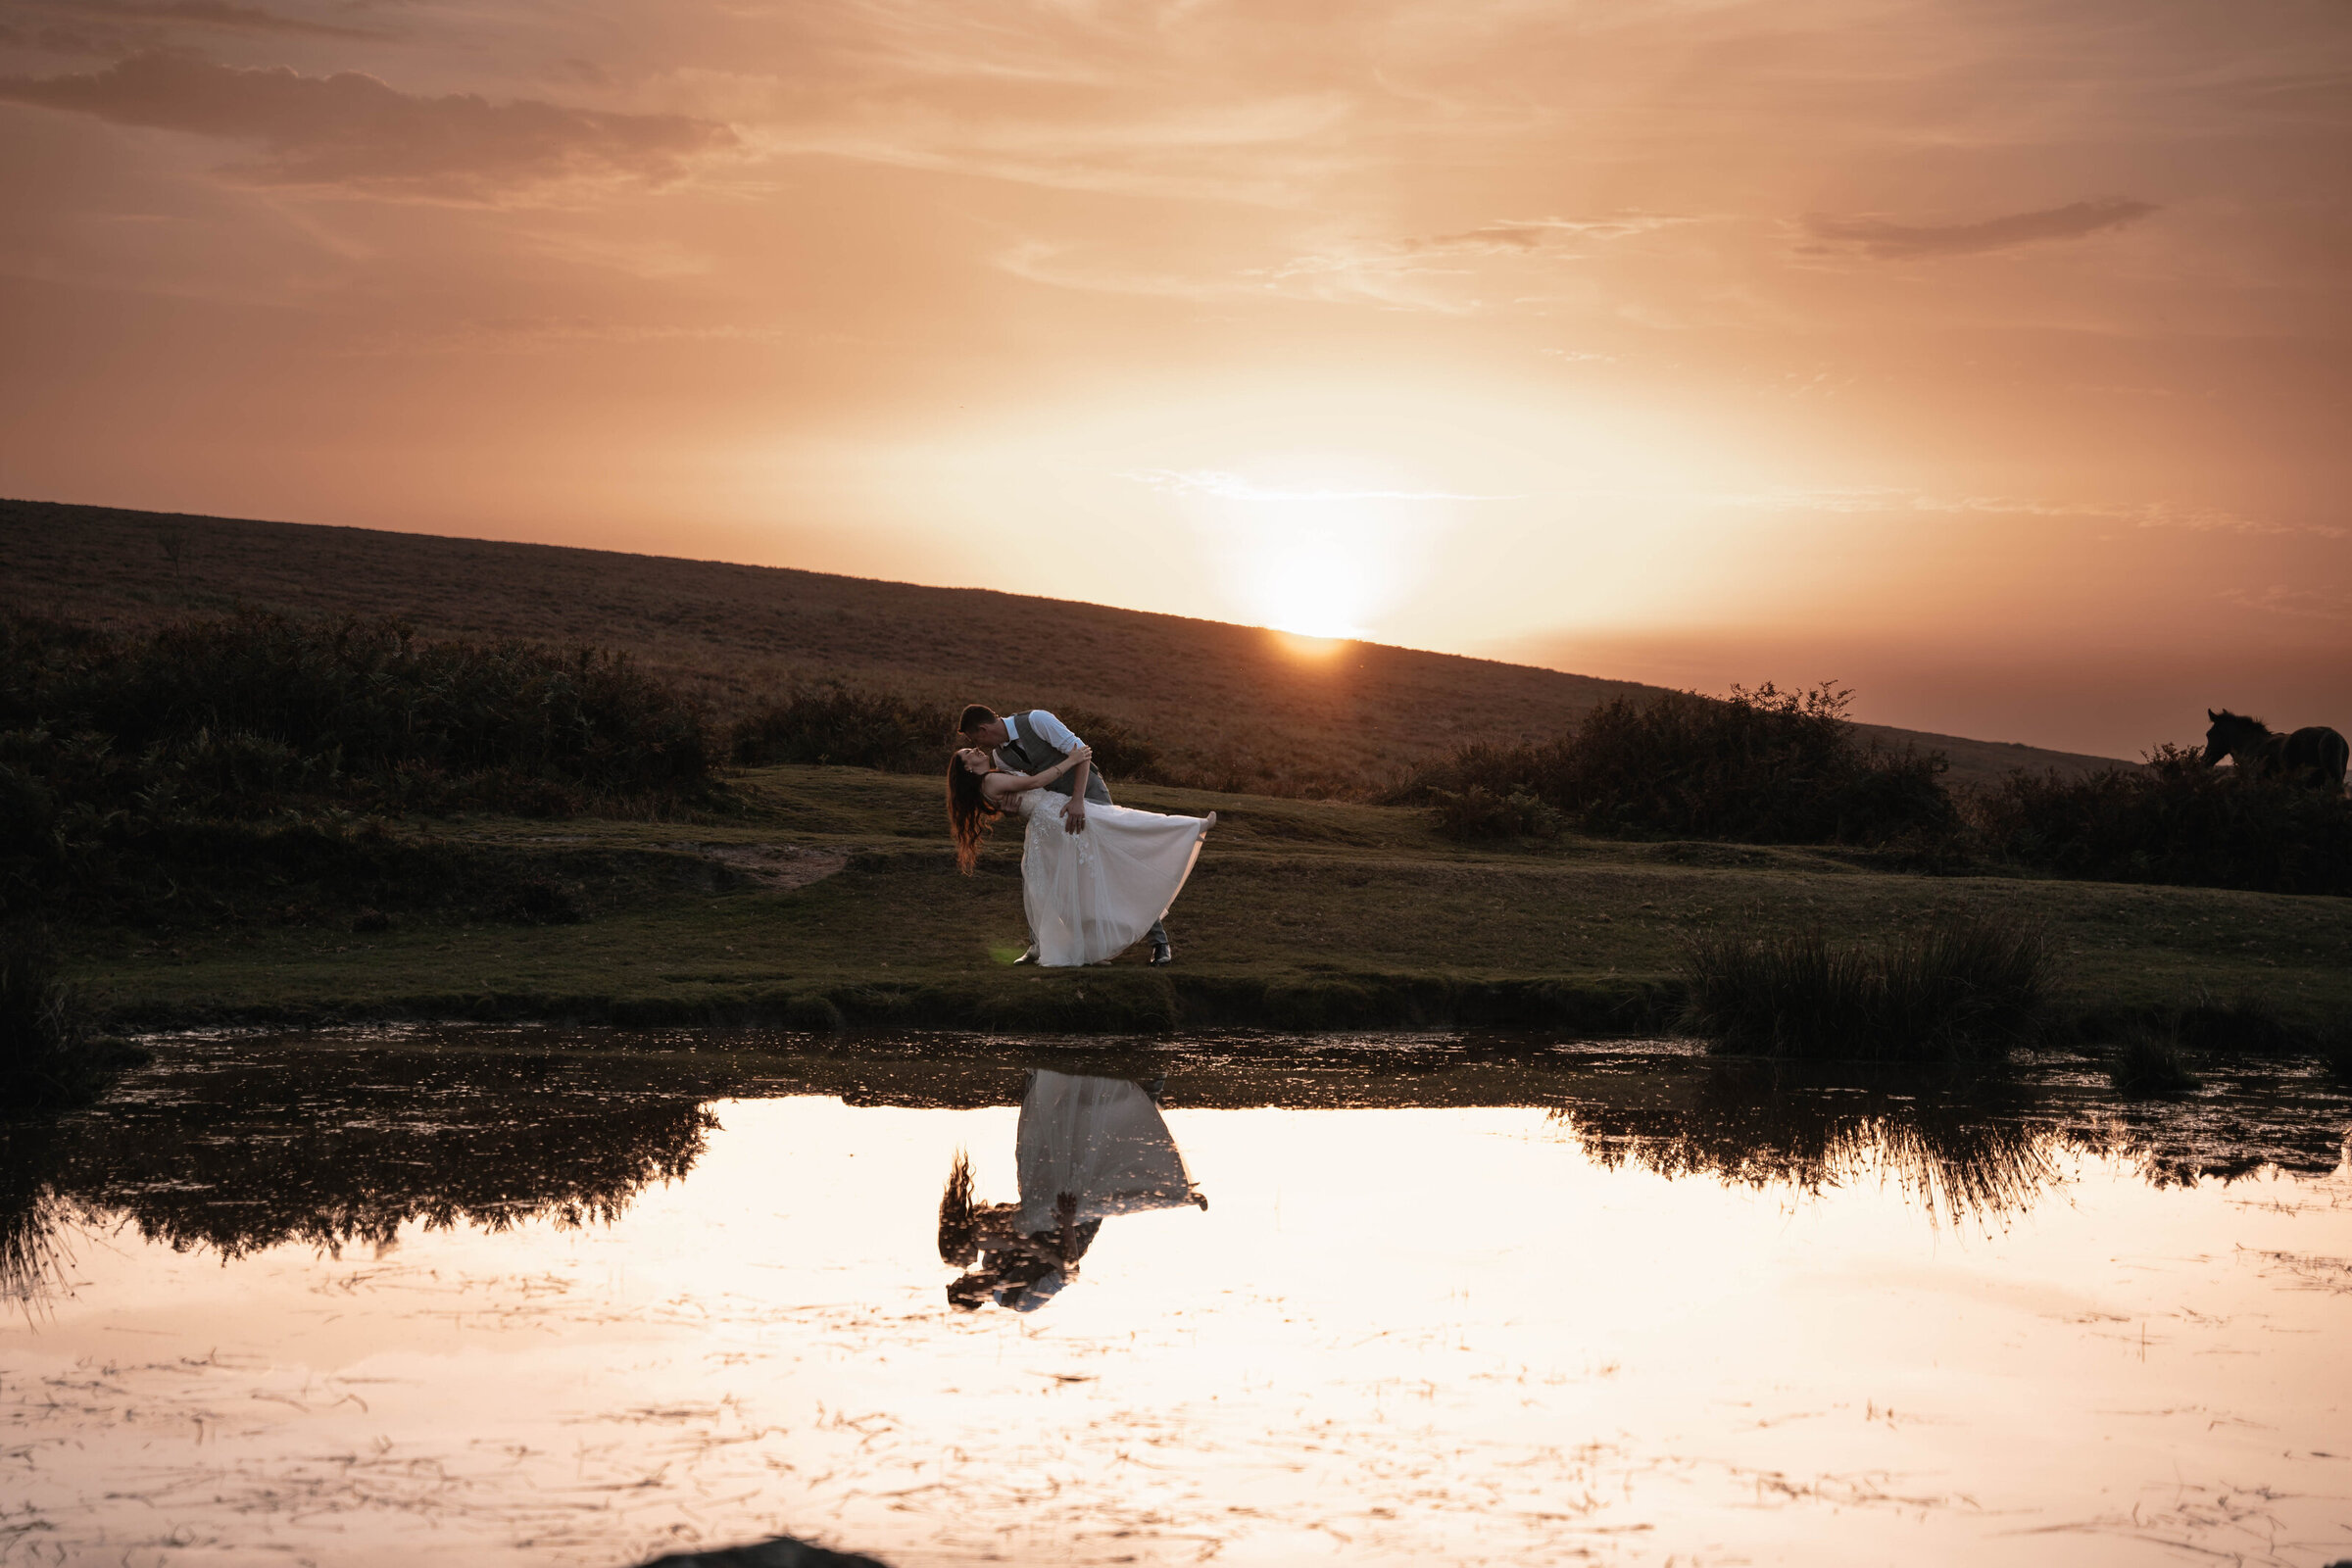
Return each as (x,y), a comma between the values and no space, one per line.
(1883,240)
(218,15)
(1885,499)
(352,130)
(1223,486)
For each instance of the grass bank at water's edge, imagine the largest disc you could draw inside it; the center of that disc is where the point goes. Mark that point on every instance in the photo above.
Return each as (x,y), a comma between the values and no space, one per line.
(1302,915)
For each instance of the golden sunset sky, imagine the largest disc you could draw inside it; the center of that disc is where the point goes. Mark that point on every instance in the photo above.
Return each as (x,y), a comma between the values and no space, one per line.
(1988,357)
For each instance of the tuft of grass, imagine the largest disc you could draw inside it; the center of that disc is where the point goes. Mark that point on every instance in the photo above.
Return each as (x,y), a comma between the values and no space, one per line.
(2335,1046)
(1762,766)
(2245,1024)
(1959,987)
(51,1056)
(2148,1062)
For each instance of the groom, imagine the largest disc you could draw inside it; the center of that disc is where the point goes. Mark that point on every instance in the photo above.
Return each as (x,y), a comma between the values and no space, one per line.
(1031,743)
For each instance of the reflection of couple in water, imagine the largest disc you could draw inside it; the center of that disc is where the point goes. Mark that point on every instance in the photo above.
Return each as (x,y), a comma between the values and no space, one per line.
(1086,1148)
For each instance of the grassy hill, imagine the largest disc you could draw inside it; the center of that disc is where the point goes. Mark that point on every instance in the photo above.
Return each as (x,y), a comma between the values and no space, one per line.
(1237,704)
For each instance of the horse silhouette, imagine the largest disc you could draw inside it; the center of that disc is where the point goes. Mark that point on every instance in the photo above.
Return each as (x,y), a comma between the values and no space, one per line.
(2313,755)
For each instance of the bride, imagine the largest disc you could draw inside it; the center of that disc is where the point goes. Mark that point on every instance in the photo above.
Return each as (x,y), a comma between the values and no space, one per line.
(1092,892)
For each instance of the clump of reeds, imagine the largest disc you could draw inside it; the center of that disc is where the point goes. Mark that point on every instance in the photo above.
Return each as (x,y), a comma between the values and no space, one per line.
(1961,987)
(1763,766)
(2148,1062)
(2335,1046)
(2244,1024)
(52,1057)
(2175,820)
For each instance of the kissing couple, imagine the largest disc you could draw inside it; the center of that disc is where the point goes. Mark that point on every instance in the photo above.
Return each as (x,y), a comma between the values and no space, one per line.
(1095,878)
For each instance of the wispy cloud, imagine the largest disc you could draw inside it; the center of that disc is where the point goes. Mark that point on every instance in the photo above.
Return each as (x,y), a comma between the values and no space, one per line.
(353,130)
(1223,486)
(538,335)
(1882,239)
(218,14)
(2303,603)
(2130,514)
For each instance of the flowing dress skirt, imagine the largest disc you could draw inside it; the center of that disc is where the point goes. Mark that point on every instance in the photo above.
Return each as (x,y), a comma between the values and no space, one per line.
(1090,896)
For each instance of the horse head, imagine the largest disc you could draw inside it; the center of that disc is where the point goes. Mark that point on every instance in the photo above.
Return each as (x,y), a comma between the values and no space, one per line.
(2233,735)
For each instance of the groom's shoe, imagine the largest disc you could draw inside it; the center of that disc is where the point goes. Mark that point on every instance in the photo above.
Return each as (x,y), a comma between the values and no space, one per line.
(1162,952)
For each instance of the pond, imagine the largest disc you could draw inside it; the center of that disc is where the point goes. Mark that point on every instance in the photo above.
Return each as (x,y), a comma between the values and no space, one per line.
(520,1297)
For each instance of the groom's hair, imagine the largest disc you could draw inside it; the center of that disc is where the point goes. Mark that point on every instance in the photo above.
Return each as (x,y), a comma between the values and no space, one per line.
(973,717)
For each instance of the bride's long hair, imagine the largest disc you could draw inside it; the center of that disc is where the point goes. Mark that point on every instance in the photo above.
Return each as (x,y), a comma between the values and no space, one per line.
(970,814)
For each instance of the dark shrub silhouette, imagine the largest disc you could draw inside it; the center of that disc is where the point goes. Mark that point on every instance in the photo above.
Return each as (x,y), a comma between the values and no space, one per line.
(1962,987)
(2175,820)
(1763,766)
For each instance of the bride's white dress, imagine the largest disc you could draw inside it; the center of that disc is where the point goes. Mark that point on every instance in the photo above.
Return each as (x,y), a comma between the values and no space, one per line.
(1099,1140)
(1092,894)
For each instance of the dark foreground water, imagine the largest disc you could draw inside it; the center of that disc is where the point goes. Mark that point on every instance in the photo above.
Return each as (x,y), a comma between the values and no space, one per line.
(521,1299)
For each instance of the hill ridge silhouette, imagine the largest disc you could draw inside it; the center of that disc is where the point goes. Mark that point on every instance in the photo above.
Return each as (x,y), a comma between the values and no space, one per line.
(1220,699)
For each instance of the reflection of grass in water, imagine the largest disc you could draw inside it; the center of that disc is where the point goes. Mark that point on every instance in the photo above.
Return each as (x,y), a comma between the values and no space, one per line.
(1953,1152)
(319,1148)
(31,1213)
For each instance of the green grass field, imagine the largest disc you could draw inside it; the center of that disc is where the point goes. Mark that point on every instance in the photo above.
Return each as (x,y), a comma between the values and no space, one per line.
(1302,914)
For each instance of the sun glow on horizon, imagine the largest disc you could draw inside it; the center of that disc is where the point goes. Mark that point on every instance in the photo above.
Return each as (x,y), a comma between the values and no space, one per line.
(1318,561)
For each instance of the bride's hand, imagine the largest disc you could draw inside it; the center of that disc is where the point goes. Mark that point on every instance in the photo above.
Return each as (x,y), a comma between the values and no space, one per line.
(1078,754)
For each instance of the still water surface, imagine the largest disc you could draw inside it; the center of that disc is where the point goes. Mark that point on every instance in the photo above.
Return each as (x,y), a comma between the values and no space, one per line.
(499,1300)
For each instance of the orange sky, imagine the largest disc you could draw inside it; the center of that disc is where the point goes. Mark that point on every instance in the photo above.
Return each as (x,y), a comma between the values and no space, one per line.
(1990,357)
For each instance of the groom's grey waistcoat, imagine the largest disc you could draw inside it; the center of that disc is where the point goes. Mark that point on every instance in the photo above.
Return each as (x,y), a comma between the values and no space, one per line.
(1034,756)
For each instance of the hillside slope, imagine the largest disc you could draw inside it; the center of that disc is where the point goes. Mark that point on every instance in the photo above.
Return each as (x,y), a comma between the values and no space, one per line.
(1234,703)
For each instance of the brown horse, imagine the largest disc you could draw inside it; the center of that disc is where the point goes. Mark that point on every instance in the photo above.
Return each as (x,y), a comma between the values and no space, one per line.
(2315,755)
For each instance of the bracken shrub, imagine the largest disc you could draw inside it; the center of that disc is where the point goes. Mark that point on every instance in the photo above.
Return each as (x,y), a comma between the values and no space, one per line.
(2173,820)
(1960,987)
(112,746)
(1762,766)
(828,722)
(236,716)
(852,726)
(1474,812)
(1120,750)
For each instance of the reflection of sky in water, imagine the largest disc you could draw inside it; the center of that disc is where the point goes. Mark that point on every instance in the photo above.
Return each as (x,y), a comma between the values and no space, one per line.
(1427,1335)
